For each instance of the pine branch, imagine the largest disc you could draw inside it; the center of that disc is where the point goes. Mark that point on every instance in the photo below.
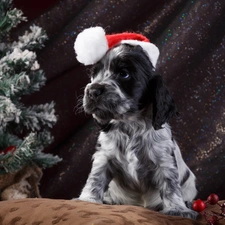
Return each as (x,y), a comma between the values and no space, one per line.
(46,160)
(9,18)
(3,49)
(22,84)
(7,139)
(31,40)
(15,85)
(17,61)
(20,74)
(36,116)
(8,112)
(37,81)
(24,154)
(44,139)
(29,152)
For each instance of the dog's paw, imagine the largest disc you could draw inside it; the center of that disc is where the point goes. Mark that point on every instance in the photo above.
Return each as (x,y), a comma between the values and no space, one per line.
(184,212)
(89,199)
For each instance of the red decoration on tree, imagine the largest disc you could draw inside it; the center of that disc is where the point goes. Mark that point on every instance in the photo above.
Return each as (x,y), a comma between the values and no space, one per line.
(9,149)
(211,218)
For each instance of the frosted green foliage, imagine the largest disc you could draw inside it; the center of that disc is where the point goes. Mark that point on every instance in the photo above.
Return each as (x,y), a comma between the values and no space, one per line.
(35,116)
(24,130)
(20,73)
(31,40)
(8,112)
(9,17)
(24,154)
(28,153)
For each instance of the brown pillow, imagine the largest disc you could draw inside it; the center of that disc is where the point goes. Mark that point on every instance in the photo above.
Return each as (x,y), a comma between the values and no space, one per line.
(42,211)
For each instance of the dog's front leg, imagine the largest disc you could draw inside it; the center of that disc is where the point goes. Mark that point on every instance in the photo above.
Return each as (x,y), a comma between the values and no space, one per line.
(170,192)
(97,181)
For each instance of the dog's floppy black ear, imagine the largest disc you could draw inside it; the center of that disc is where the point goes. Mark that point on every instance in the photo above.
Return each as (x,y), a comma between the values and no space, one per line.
(163,104)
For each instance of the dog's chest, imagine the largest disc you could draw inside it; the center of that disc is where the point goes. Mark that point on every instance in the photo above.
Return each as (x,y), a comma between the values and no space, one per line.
(126,148)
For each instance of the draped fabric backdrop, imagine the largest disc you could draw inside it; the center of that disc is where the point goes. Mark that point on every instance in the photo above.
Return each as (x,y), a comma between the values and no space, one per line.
(191,37)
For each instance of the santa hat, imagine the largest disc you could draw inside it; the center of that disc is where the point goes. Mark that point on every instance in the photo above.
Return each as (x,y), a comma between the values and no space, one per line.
(92,44)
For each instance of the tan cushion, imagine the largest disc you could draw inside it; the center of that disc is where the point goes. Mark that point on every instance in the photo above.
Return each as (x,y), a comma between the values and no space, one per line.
(50,211)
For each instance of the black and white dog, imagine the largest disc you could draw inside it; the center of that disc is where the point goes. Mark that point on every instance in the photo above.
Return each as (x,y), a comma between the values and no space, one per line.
(137,161)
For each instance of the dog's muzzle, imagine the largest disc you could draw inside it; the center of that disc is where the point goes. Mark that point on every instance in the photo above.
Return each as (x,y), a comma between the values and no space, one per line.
(105,101)
(95,90)
(96,100)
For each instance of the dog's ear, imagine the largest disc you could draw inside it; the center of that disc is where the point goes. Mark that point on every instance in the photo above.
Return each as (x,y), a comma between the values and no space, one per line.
(163,104)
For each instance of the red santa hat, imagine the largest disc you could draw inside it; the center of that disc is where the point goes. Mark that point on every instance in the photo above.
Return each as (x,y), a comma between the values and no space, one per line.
(92,44)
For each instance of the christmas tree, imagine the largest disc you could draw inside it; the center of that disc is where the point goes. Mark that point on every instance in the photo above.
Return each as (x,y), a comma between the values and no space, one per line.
(24,130)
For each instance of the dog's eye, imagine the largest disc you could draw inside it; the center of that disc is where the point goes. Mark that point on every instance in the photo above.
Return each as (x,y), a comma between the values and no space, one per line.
(124,75)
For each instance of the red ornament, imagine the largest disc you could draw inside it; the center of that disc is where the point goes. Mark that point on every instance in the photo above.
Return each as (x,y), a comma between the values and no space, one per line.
(213,199)
(9,149)
(199,205)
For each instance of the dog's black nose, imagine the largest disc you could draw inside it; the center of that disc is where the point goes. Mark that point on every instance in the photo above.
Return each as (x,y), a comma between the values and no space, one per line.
(95,90)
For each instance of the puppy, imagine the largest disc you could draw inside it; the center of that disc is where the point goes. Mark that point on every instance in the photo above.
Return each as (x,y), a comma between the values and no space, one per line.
(137,161)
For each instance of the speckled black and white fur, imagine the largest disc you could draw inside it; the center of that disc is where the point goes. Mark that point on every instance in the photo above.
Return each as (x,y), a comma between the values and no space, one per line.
(137,161)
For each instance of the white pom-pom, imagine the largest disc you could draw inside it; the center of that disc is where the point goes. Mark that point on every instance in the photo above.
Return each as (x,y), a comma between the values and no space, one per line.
(91,45)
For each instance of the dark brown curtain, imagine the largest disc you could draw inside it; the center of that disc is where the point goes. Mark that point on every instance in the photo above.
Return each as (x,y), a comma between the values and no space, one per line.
(191,37)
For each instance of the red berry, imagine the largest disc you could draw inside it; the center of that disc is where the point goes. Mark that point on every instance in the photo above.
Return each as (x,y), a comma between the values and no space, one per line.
(213,220)
(213,199)
(199,205)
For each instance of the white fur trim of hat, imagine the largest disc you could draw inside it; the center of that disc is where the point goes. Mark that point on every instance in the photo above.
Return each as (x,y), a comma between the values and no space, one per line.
(92,44)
